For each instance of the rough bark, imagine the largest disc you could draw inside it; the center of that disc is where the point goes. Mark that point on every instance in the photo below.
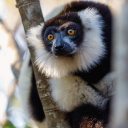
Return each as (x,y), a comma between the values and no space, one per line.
(31,16)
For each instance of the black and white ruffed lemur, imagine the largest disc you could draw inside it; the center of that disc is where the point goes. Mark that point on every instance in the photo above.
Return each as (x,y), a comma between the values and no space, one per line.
(73,49)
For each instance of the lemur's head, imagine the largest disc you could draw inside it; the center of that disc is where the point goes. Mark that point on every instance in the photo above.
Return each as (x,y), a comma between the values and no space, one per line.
(68,42)
(62,35)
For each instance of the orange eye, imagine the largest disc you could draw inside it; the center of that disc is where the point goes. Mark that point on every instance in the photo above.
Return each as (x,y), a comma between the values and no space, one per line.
(50,37)
(71,32)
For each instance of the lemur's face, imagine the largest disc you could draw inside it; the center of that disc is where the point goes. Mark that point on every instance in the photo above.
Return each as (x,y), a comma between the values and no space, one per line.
(63,39)
(65,44)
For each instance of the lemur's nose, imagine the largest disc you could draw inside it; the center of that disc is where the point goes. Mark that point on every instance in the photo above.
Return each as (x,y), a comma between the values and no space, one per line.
(58,47)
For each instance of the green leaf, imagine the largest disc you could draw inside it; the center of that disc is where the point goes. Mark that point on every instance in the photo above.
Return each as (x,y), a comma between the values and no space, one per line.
(27,127)
(8,125)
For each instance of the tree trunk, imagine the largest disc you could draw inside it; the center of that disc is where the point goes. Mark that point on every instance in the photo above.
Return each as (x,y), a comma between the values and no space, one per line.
(31,15)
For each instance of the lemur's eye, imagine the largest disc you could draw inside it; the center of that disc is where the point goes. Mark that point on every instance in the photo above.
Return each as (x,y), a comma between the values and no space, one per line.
(50,37)
(71,32)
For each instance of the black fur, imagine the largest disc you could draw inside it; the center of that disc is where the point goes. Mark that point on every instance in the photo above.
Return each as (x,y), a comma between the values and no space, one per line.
(35,103)
(92,113)
(61,19)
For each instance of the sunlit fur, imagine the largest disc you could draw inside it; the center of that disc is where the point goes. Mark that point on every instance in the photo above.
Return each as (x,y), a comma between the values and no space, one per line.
(69,92)
(88,54)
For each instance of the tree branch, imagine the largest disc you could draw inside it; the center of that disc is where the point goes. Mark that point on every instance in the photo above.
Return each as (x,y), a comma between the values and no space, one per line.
(31,16)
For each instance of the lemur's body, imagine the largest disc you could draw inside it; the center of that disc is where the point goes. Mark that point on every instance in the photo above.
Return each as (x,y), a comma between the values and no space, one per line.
(74,50)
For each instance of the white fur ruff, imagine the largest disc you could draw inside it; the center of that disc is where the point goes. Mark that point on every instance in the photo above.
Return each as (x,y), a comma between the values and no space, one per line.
(88,55)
